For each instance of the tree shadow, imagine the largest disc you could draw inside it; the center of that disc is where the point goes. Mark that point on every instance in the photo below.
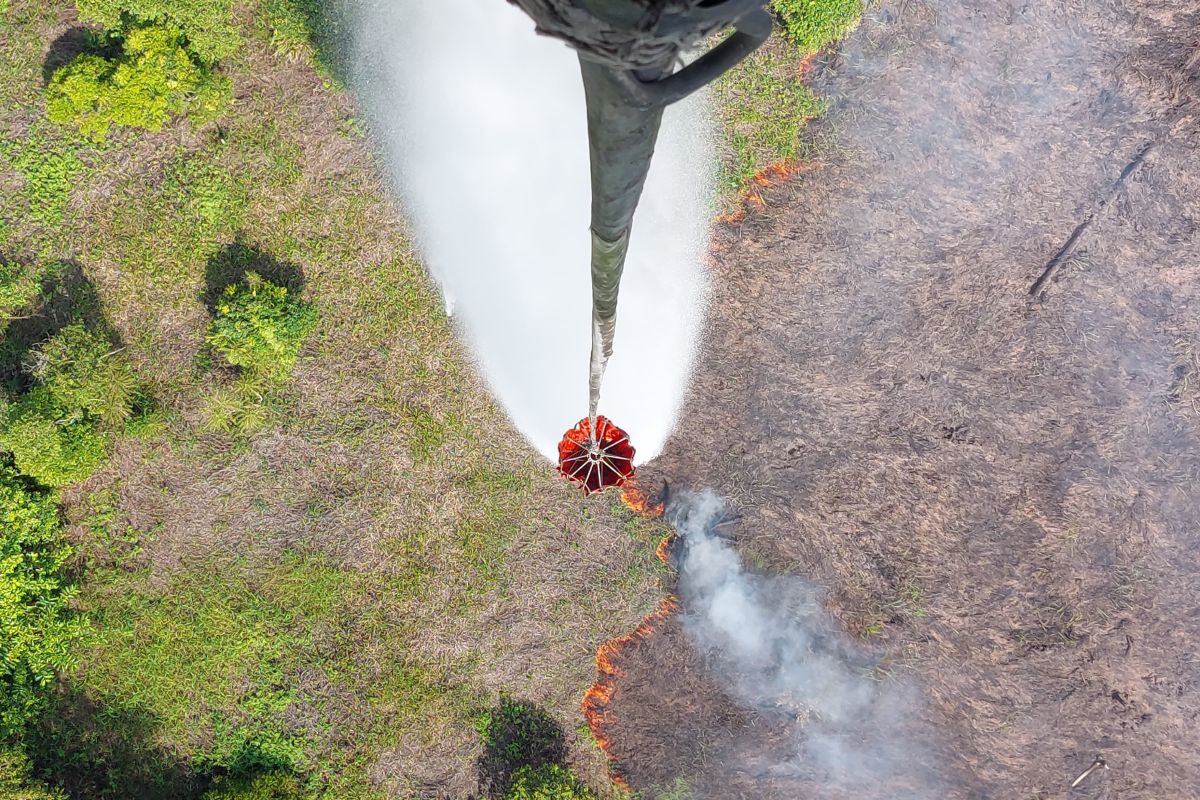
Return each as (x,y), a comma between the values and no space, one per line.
(95,751)
(327,25)
(73,42)
(230,265)
(67,296)
(516,733)
(100,752)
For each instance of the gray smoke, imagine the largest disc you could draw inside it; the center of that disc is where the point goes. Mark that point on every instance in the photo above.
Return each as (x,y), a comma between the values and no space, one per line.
(775,649)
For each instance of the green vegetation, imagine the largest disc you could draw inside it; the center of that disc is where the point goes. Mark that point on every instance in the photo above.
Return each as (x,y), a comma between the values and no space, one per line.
(153,77)
(18,287)
(214,658)
(16,782)
(37,630)
(547,782)
(258,327)
(239,408)
(764,115)
(812,24)
(519,733)
(277,588)
(524,752)
(48,175)
(309,30)
(763,103)
(207,24)
(48,442)
(58,431)
(261,327)
(266,786)
(86,375)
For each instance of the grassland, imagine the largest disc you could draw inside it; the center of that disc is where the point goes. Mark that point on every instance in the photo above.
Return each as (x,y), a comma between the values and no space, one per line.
(335,577)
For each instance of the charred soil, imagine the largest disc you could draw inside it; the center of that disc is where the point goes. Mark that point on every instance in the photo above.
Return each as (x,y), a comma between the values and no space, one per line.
(952,375)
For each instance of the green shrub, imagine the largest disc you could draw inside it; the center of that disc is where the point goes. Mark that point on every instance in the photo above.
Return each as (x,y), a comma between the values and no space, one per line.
(16,782)
(57,430)
(18,287)
(547,782)
(240,408)
(49,443)
(86,375)
(261,327)
(812,24)
(207,24)
(152,78)
(37,629)
(268,786)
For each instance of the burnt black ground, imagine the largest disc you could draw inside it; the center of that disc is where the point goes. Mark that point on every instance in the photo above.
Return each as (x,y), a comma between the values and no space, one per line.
(998,490)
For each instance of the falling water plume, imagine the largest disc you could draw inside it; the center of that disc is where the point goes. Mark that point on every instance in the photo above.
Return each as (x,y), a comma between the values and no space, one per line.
(484,129)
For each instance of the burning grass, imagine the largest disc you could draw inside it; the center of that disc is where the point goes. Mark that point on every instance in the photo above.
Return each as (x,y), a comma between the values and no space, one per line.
(751,196)
(764,106)
(339,586)
(598,697)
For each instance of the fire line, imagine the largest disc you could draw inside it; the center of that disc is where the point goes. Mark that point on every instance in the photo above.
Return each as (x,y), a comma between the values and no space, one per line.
(599,696)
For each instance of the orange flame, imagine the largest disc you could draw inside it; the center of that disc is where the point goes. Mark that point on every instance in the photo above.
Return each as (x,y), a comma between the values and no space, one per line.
(771,175)
(636,501)
(597,698)
(663,551)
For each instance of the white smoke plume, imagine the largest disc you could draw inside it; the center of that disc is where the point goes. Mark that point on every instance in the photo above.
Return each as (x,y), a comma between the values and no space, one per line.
(776,650)
(482,122)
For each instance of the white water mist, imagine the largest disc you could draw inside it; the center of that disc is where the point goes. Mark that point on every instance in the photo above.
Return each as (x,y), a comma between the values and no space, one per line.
(483,124)
(774,648)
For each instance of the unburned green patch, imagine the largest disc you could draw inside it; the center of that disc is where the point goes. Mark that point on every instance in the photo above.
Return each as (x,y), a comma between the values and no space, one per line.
(308,29)
(49,169)
(252,665)
(812,24)
(764,104)
(764,108)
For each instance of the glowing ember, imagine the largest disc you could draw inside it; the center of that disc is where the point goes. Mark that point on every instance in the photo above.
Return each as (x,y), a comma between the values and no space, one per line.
(771,175)
(636,501)
(596,462)
(608,657)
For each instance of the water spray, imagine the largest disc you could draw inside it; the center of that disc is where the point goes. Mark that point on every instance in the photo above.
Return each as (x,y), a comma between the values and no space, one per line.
(629,51)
